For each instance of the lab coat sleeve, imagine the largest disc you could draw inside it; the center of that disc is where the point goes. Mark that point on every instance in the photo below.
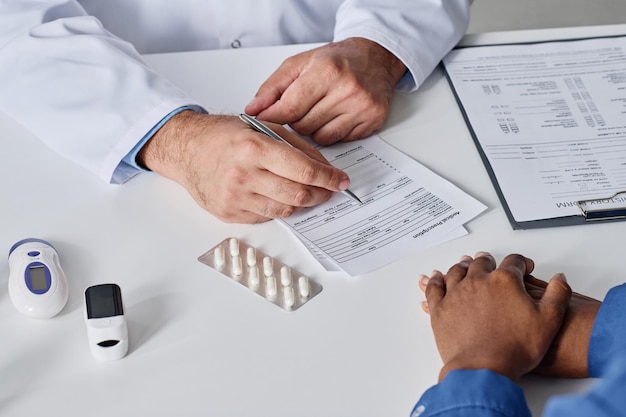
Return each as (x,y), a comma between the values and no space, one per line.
(419,32)
(84,92)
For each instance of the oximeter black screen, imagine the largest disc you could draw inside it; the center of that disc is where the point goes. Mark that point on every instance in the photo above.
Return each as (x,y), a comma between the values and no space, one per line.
(104,300)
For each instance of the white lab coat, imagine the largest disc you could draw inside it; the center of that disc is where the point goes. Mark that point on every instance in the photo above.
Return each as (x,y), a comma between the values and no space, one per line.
(71,71)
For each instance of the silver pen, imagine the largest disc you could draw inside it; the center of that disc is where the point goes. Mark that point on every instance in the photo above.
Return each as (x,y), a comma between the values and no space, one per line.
(260,127)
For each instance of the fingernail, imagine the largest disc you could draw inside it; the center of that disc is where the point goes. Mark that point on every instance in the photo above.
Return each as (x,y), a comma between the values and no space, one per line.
(482,253)
(344,184)
(466,258)
(424,279)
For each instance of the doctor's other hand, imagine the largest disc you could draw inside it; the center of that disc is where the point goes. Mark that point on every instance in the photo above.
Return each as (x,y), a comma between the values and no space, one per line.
(237,174)
(341,91)
(483,318)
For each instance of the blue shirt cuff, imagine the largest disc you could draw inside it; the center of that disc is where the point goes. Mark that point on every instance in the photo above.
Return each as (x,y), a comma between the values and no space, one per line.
(473,393)
(128,166)
(608,337)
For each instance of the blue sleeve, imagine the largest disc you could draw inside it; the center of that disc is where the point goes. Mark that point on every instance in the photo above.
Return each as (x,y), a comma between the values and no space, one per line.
(128,166)
(608,337)
(479,393)
(607,359)
(605,399)
(473,393)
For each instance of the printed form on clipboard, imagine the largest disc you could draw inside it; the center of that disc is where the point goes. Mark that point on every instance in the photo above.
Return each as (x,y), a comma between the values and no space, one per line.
(406,208)
(549,121)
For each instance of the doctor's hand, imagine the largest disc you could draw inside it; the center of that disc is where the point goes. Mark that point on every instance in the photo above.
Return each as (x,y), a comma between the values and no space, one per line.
(341,91)
(238,174)
(483,318)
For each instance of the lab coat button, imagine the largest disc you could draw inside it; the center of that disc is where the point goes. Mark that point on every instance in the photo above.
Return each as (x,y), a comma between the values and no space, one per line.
(235,44)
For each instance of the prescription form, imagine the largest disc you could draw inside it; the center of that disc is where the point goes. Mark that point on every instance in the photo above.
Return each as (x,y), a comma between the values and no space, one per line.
(406,208)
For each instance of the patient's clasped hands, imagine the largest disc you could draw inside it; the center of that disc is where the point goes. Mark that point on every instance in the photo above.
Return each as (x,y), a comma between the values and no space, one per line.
(501,318)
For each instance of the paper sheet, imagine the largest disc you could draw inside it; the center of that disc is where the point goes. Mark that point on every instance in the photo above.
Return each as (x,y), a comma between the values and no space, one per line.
(406,208)
(550,118)
(330,265)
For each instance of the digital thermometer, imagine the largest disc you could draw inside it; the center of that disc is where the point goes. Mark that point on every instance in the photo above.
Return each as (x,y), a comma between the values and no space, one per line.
(37,284)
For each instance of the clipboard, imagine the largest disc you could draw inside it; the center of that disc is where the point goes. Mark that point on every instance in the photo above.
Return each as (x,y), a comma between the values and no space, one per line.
(595,207)
(611,208)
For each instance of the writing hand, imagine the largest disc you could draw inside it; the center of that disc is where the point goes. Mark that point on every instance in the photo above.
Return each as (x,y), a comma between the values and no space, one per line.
(340,91)
(238,174)
(483,318)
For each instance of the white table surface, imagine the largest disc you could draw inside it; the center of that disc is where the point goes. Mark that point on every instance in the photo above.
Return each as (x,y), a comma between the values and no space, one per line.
(201,345)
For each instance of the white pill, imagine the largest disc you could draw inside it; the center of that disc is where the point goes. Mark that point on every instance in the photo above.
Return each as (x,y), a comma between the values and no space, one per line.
(285,276)
(237,267)
(234,246)
(288,297)
(268,266)
(251,257)
(253,277)
(218,257)
(303,287)
(270,288)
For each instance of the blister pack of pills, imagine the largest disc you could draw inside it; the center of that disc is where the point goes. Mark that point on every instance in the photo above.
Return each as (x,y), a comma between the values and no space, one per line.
(261,274)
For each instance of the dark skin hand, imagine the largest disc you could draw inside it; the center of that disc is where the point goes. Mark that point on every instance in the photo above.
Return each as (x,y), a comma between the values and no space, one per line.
(567,355)
(483,318)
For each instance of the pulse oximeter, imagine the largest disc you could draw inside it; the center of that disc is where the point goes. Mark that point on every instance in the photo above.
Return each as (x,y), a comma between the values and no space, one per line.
(107,330)
(37,284)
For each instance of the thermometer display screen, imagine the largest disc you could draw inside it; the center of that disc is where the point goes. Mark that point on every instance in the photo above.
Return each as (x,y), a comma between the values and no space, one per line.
(38,280)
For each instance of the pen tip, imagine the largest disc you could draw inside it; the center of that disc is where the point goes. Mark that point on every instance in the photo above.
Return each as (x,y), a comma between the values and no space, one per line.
(353,196)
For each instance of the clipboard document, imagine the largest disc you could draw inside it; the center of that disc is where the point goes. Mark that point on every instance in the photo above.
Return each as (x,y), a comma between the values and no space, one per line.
(549,120)
(405,208)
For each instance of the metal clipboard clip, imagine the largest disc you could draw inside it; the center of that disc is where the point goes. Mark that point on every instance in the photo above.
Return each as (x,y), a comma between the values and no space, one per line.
(608,208)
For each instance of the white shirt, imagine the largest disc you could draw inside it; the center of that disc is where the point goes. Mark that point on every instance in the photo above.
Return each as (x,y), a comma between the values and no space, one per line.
(72,73)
